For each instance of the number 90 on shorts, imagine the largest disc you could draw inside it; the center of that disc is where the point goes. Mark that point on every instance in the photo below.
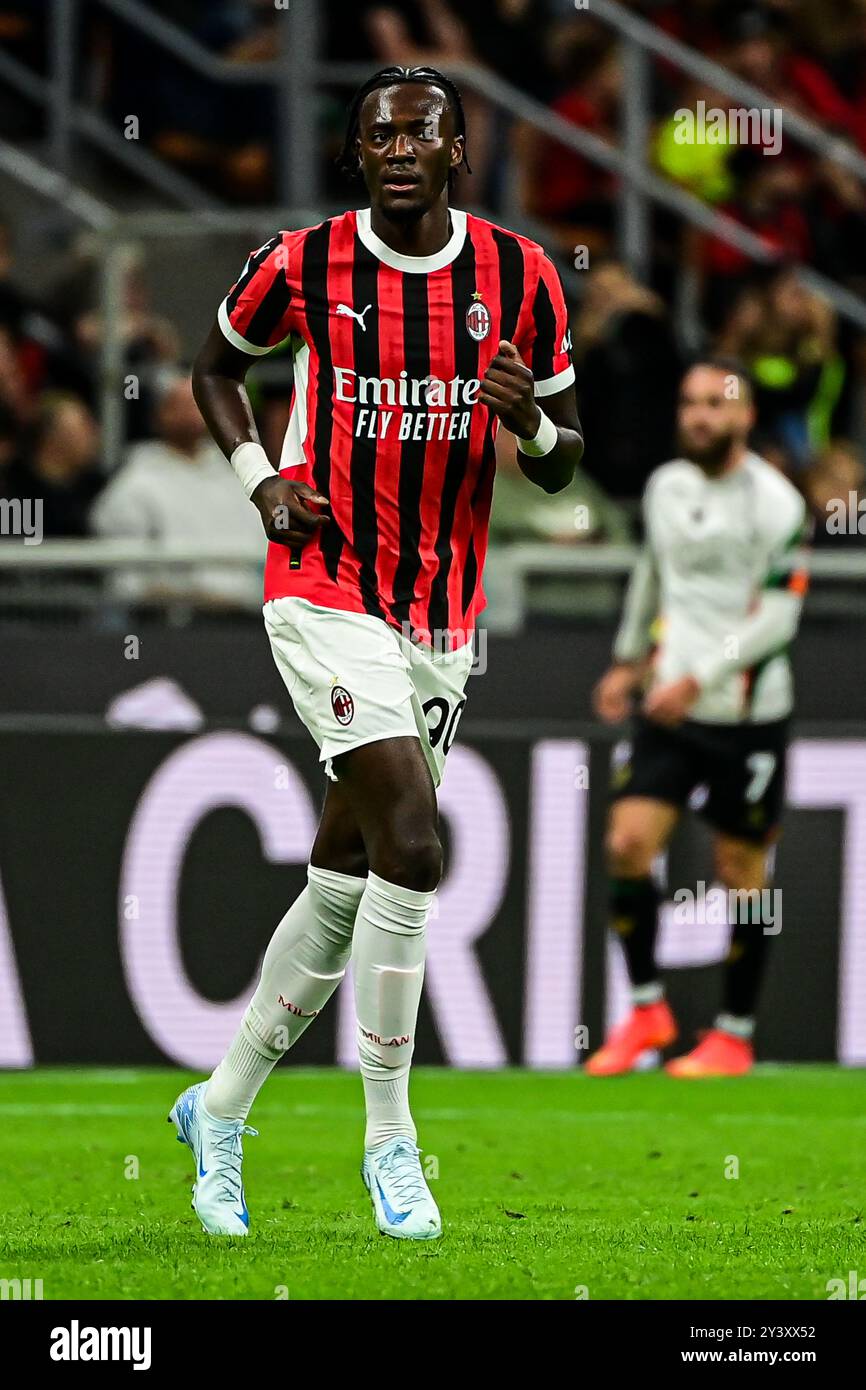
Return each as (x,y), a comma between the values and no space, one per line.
(354,680)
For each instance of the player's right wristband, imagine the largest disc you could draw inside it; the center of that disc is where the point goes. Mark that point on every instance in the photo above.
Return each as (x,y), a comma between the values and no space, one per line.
(252,466)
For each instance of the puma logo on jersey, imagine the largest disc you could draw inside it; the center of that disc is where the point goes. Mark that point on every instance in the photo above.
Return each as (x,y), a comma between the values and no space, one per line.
(347,313)
(565,345)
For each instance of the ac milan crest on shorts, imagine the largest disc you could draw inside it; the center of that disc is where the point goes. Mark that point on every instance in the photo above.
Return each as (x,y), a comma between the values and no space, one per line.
(342,704)
(354,680)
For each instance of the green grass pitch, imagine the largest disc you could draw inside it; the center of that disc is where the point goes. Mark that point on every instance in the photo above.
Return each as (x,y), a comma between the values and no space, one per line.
(551,1186)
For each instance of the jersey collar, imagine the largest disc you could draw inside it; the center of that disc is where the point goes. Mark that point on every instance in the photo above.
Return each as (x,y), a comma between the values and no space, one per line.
(414,265)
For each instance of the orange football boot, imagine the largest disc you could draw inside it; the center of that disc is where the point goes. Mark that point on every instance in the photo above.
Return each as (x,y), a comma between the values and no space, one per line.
(646,1027)
(717,1054)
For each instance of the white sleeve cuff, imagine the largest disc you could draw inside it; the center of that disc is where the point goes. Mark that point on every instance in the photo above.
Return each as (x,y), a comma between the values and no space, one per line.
(234,337)
(552,384)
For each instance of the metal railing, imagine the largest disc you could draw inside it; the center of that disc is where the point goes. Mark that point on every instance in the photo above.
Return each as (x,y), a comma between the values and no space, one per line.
(97,554)
(509,574)
(101,580)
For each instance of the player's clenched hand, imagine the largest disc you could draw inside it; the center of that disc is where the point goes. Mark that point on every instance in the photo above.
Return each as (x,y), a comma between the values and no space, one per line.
(669,704)
(612,696)
(285,515)
(508,390)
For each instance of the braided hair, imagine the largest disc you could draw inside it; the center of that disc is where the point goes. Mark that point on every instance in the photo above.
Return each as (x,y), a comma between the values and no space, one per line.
(347,160)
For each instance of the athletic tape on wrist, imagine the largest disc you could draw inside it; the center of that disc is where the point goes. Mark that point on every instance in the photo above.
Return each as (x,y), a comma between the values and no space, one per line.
(252,466)
(544,440)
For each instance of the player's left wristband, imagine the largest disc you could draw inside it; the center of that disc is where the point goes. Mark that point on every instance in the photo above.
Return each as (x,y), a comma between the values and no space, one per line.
(543,441)
(252,466)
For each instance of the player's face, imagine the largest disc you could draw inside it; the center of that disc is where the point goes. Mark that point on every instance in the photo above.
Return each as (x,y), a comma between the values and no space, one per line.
(407,147)
(715,414)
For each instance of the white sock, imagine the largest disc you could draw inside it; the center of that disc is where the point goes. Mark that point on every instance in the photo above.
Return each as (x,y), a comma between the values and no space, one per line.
(388,967)
(641,995)
(738,1027)
(305,961)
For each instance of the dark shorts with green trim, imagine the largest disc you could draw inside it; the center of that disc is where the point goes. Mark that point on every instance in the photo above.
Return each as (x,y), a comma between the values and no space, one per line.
(731,774)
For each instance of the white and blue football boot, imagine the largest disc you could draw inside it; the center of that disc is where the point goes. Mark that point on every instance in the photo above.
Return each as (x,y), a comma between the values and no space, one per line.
(403,1204)
(218,1190)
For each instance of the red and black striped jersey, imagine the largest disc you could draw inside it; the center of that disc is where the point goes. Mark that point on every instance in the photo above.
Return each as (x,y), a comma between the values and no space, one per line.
(389,352)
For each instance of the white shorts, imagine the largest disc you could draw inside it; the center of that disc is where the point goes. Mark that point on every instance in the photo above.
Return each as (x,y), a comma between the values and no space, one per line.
(355,680)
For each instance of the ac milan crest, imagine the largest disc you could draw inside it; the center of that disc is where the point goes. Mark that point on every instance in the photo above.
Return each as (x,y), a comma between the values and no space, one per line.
(478,318)
(342,704)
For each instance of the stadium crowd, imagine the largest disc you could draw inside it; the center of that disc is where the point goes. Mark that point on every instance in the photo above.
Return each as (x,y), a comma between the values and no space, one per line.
(809,367)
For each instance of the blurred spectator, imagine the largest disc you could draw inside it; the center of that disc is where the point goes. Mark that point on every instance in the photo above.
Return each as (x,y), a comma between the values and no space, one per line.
(44,358)
(13,304)
(628,371)
(148,336)
(786,335)
(15,397)
(845,39)
(10,447)
(834,490)
(218,133)
(559,186)
(177,489)
(761,52)
(150,341)
(698,24)
(837,220)
(60,465)
(511,35)
(770,203)
(700,165)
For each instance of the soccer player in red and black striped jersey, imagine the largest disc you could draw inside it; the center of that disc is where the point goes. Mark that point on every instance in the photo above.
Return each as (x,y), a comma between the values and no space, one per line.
(416,331)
